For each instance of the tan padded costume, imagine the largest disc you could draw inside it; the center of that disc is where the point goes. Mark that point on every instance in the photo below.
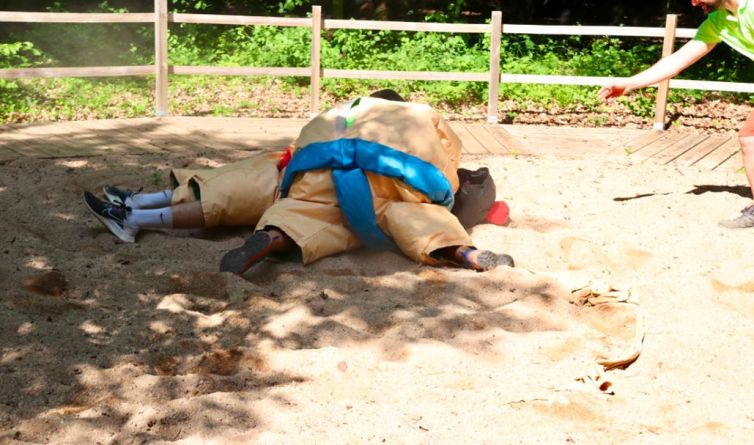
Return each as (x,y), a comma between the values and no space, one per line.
(236,194)
(310,214)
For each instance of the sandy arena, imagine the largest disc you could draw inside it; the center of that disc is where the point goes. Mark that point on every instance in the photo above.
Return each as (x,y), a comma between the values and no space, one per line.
(110,343)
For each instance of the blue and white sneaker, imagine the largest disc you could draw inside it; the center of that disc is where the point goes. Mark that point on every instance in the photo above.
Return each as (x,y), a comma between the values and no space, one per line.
(113,216)
(116,195)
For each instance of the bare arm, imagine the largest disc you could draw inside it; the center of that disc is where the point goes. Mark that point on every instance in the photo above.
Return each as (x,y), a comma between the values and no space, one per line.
(666,68)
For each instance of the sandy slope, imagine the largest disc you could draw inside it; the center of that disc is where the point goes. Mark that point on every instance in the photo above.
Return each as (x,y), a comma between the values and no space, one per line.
(104,342)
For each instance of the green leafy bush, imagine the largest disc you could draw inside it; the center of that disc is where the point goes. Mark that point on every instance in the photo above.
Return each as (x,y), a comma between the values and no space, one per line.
(18,54)
(88,44)
(14,55)
(265,46)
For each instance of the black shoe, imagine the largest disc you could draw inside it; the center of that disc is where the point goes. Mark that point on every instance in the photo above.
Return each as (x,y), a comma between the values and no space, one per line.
(254,250)
(116,195)
(113,216)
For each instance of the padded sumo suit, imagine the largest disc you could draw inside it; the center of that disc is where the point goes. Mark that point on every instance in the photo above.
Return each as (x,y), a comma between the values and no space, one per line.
(232,195)
(368,172)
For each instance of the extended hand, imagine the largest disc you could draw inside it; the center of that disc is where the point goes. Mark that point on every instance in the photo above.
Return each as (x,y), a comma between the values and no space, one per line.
(611,91)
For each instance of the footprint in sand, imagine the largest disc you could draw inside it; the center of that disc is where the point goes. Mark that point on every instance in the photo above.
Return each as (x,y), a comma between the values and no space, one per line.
(537,224)
(583,254)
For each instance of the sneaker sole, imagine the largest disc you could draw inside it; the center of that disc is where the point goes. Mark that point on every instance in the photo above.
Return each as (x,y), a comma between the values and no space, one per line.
(735,224)
(111,226)
(489,260)
(253,250)
(114,199)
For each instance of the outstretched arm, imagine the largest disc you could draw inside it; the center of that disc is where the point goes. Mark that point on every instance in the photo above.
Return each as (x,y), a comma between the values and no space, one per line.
(666,68)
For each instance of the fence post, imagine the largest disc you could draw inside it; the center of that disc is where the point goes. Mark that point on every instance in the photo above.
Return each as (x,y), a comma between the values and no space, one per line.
(664,86)
(161,56)
(494,83)
(316,68)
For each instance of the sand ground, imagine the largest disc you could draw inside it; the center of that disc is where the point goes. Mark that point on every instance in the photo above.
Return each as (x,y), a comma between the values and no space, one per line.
(112,343)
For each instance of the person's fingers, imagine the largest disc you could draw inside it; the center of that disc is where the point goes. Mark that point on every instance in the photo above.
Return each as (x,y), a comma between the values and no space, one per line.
(610,92)
(605,93)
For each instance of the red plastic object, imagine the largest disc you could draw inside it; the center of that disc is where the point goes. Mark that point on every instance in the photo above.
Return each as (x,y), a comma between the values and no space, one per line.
(285,159)
(499,214)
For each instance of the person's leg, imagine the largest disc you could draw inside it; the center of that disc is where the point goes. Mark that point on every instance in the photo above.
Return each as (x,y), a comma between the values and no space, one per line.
(746,140)
(137,199)
(296,229)
(188,216)
(472,258)
(125,222)
(429,233)
(318,230)
(255,249)
(747,152)
(182,216)
(235,194)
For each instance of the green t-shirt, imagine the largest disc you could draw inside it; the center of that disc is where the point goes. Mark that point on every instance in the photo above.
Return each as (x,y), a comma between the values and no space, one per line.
(738,32)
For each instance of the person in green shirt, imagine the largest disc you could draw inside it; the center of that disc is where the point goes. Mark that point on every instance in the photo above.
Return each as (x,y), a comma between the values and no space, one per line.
(729,21)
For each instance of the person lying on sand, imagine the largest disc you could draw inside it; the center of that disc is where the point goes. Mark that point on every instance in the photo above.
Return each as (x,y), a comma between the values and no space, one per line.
(377,172)
(232,195)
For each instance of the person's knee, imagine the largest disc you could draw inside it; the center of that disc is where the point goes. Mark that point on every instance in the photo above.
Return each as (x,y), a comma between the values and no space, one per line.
(747,149)
(188,215)
(747,145)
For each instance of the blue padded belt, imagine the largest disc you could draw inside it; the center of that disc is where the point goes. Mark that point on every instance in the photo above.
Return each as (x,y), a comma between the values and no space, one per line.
(349,159)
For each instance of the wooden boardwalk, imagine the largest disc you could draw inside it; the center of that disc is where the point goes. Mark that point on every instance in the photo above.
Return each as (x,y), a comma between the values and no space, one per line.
(143,135)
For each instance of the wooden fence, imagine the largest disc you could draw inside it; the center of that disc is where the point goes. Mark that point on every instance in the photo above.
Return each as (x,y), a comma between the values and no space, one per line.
(161,17)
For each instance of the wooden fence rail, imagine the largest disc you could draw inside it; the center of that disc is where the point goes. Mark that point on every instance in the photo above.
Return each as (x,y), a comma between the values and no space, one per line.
(161,69)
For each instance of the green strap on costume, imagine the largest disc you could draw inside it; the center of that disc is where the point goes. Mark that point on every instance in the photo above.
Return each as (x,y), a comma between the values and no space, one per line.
(347,117)
(351,116)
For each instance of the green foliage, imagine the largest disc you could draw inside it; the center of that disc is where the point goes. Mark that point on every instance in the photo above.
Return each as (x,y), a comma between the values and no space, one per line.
(265,46)
(73,98)
(190,5)
(575,56)
(158,180)
(451,13)
(15,55)
(261,46)
(641,104)
(380,50)
(287,6)
(609,57)
(18,54)
(66,44)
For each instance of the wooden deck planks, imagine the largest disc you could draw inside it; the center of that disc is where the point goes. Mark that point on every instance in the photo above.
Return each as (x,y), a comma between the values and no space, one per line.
(176,134)
(681,147)
(47,139)
(701,150)
(485,138)
(655,146)
(734,162)
(667,147)
(6,154)
(229,133)
(570,141)
(637,144)
(25,144)
(470,144)
(494,139)
(110,136)
(510,143)
(721,154)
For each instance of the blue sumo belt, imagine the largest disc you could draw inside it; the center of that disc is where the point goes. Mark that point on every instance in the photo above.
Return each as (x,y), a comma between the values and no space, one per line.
(349,159)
